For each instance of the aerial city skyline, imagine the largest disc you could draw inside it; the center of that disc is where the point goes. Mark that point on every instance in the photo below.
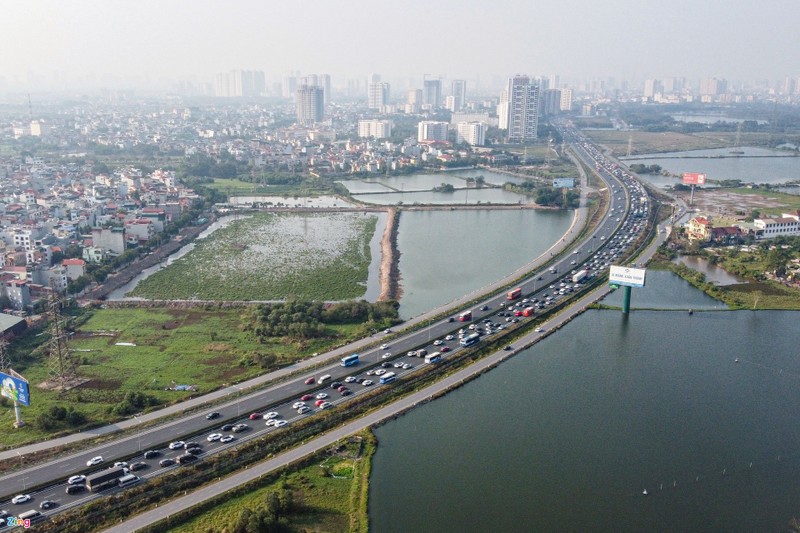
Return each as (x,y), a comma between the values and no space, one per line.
(149,45)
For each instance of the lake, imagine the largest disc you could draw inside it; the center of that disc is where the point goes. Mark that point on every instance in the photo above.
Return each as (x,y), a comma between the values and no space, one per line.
(568,434)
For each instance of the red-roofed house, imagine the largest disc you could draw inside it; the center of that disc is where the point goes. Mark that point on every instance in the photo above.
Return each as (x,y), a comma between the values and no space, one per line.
(699,229)
(75,268)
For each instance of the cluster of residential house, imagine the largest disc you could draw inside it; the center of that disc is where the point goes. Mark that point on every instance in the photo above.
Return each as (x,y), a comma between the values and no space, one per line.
(702,228)
(46,209)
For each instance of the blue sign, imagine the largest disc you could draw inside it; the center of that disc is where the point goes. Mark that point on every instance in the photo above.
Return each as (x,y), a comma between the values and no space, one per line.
(15,389)
(563,183)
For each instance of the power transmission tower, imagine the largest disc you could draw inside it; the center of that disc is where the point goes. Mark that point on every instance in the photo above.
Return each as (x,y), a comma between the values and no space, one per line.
(4,361)
(62,365)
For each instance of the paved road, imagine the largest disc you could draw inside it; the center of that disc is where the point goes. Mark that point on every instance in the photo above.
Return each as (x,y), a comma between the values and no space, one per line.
(578,221)
(319,443)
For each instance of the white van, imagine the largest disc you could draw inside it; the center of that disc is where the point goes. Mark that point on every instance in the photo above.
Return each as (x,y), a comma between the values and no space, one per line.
(323,379)
(130,479)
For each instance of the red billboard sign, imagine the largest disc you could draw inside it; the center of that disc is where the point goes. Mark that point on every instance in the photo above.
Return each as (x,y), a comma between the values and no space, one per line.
(691,178)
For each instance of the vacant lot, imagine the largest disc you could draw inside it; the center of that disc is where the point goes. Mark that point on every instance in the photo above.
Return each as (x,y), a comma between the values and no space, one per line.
(732,203)
(272,257)
(644,142)
(206,349)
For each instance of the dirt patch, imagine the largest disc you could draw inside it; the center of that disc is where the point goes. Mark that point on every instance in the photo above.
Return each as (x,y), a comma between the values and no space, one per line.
(219,360)
(217,347)
(730,203)
(231,373)
(103,384)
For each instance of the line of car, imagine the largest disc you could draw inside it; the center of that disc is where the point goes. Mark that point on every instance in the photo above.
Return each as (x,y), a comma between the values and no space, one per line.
(322,400)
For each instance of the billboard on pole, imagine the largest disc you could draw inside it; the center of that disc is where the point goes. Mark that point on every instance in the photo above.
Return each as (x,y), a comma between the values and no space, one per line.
(15,388)
(632,277)
(692,178)
(563,183)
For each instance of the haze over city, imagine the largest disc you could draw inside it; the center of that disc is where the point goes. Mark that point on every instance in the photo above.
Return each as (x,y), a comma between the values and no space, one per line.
(151,44)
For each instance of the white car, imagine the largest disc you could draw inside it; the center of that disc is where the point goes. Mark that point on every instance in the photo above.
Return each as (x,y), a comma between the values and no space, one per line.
(280,423)
(387,355)
(412,353)
(20,498)
(175,445)
(321,396)
(325,405)
(214,437)
(380,371)
(438,342)
(76,480)
(303,410)
(367,382)
(538,330)
(270,415)
(227,438)
(298,405)
(271,422)
(449,338)
(384,346)
(123,464)
(349,379)
(94,461)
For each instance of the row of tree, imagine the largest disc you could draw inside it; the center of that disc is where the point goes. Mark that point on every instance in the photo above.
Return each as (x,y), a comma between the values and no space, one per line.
(299,320)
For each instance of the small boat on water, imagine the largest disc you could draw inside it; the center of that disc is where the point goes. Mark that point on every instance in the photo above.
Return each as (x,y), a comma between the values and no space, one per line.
(644,492)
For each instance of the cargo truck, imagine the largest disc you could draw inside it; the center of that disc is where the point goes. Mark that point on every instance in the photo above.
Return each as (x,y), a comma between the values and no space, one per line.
(106,478)
(579,276)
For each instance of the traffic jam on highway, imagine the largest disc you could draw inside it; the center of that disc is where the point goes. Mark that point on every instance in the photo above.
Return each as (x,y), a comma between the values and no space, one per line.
(327,388)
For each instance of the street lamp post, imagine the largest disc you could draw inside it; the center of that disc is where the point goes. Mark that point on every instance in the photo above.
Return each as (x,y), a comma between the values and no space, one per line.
(138,433)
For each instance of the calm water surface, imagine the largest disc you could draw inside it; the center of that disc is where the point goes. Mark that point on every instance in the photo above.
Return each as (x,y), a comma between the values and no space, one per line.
(567,435)
(720,166)
(447,254)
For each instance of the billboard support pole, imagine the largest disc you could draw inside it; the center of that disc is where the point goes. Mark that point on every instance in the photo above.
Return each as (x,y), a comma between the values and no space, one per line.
(626,299)
(691,196)
(18,414)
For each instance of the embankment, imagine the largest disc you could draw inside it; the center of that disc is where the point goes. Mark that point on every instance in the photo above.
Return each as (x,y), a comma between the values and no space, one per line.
(390,259)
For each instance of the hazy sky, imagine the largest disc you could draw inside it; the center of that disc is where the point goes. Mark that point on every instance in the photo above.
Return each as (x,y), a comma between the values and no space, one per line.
(577,39)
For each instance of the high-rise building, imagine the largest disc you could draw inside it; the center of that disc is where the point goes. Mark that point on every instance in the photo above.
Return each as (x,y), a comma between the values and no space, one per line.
(459,89)
(310,102)
(413,100)
(472,133)
(550,102)
(377,94)
(234,83)
(566,100)
(651,88)
(432,93)
(523,109)
(379,129)
(325,83)
(502,110)
(429,130)
(289,86)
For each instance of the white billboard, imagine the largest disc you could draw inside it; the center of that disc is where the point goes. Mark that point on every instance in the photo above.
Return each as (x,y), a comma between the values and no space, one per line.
(632,277)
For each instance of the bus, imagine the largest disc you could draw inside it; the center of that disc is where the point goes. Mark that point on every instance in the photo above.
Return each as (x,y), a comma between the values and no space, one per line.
(350,360)
(465,316)
(388,377)
(433,358)
(471,339)
(514,294)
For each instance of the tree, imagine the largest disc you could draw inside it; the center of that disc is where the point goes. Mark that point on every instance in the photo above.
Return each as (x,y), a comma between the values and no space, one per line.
(776,260)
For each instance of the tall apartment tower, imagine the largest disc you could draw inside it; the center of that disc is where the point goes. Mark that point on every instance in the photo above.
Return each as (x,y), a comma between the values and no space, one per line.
(325,82)
(310,101)
(459,90)
(432,93)
(377,94)
(523,109)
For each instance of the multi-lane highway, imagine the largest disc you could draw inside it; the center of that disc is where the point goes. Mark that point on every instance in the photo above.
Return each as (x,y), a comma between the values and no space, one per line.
(617,230)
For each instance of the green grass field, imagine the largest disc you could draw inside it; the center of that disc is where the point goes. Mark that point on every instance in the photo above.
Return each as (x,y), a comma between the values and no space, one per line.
(207,349)
(324,502)
(272,257)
